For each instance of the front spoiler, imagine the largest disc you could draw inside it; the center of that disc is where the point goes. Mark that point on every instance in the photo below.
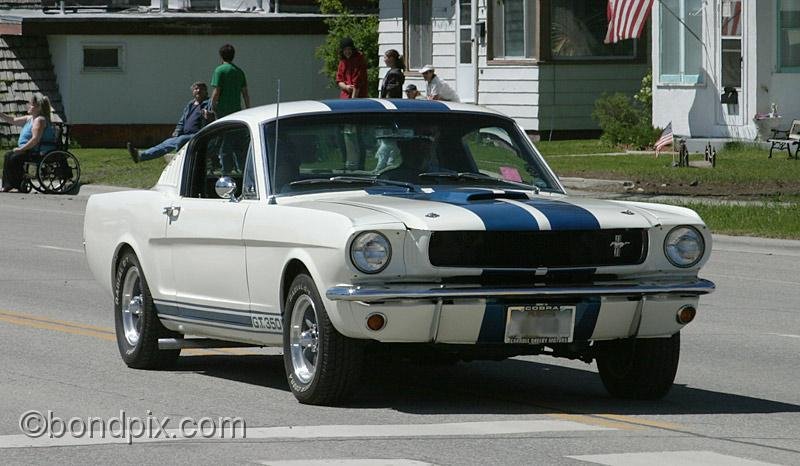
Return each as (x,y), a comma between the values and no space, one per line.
(400,292)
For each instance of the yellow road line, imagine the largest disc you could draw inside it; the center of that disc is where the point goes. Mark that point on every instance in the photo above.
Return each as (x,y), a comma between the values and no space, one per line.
(642,422)
(595,421)
(104,333)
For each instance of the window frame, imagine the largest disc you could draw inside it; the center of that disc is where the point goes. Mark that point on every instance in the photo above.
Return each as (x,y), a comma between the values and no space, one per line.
(533,40)
(187,187)
(118,46)
(639,55)
(678,80)
(409,54)
(778,46)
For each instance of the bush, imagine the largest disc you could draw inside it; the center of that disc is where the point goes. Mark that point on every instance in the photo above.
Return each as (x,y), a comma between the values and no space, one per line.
(626,122)
(364,32)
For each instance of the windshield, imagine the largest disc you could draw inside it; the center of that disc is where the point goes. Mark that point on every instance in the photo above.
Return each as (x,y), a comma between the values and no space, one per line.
(402,151)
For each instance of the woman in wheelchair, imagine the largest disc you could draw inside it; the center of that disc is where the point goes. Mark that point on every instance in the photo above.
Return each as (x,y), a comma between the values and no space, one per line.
(36,137)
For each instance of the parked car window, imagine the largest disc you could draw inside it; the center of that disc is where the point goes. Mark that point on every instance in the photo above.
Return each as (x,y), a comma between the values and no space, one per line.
(219,153)
(446,149)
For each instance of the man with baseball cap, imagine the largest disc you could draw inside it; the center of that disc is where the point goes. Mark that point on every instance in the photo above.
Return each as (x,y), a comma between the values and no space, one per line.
(437,89)
(412,92)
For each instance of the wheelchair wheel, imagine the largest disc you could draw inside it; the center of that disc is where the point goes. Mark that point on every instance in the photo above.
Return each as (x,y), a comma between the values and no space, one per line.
(25,186)
(59,172)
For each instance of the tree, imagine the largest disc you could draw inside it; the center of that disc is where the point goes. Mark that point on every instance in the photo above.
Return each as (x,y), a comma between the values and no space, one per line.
(363,29)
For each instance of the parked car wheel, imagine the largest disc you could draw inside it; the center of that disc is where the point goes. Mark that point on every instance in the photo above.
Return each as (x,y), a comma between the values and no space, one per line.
(639,368)
(137,326)
(322,366)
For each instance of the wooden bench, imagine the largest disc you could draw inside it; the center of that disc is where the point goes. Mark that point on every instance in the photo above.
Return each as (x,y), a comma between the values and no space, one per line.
(786,139)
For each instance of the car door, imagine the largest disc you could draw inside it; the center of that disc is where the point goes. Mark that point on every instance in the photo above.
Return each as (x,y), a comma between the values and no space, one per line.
(205,234)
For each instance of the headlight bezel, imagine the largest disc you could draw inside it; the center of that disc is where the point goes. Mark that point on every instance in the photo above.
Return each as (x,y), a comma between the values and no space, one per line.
(673,234)
(359,241)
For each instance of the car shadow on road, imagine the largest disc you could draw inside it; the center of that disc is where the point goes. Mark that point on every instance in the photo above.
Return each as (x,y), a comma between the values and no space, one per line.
(513,386)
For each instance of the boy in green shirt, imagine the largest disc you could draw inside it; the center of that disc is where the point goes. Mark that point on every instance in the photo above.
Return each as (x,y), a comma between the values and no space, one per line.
(230,85)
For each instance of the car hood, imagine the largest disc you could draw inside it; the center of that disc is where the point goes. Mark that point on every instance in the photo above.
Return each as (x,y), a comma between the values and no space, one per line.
(498,210)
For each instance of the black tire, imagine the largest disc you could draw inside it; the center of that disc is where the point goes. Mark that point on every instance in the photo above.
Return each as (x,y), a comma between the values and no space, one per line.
(639,368)
(337,360)
(59,172)
(25,186)
(134,312)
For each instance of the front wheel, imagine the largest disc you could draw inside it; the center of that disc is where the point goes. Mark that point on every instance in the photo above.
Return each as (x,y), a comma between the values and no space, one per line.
(322,365)
(639,368)
(137,326)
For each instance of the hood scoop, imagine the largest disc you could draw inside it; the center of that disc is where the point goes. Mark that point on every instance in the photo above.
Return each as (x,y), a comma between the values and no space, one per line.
(458,196)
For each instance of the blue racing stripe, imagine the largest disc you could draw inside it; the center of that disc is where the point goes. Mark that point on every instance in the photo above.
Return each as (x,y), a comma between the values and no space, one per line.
(502,216)
(493,327)
(354,105)
(586,318)
(419,105)
(565,216)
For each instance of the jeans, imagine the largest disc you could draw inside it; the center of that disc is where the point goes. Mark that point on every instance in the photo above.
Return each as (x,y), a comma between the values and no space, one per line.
(166,146)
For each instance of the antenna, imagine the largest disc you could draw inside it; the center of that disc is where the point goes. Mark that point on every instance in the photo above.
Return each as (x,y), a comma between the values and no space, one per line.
(274,157)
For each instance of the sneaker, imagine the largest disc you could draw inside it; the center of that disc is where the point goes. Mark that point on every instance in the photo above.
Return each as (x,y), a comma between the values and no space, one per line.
(134,153)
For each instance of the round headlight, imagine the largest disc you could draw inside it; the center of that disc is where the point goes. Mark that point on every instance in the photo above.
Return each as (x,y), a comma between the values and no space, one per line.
(370,252)
(684,246)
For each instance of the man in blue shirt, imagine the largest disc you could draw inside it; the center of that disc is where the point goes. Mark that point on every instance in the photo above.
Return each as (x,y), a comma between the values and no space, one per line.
(195,115)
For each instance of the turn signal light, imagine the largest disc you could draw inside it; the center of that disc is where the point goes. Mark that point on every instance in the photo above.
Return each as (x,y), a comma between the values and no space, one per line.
(376,322)
(686,314)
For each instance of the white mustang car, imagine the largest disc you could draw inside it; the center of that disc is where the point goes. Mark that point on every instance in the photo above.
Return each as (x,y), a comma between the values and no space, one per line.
(343,227)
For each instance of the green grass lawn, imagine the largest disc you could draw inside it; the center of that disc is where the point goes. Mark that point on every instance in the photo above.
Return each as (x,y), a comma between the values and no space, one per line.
(768,220)
(114,167)
(740,172)
(579,146)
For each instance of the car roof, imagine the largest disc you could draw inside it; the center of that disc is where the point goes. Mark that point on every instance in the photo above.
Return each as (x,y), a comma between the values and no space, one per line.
(268,112)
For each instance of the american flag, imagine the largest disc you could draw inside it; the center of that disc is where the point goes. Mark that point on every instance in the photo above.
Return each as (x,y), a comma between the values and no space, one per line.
(731,20)
(626,19)
(665,139)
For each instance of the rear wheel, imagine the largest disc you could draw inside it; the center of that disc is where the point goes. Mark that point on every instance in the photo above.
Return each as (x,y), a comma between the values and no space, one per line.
(59,172)
(639,368)
(322,365)
(137,326)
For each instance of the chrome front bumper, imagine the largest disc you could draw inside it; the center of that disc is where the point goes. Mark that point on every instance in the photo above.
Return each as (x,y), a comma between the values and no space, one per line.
(399,292)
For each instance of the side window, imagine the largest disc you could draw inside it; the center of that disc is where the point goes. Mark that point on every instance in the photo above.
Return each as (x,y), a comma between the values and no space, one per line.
(225,152)
(249,186)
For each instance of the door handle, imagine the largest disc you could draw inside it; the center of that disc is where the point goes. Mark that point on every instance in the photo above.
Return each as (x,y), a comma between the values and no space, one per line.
(172,211)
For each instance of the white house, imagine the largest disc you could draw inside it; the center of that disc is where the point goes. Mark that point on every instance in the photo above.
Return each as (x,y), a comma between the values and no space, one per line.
(542,62)
(700,48)
(118,75)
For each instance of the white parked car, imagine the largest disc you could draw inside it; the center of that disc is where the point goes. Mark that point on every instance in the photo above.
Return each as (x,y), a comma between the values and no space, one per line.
(334,228)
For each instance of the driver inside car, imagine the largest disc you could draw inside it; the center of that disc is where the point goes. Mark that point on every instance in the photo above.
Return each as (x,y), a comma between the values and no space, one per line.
(416,156)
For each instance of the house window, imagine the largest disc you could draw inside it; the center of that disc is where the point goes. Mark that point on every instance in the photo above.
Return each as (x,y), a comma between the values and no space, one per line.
(514,28)
(731,34)
(419,34)
(789,35)
(578,29)
(679,45)
(102,57)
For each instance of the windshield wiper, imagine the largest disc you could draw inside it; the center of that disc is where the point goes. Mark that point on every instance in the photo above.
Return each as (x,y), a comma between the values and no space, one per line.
(355,180)
(477,177)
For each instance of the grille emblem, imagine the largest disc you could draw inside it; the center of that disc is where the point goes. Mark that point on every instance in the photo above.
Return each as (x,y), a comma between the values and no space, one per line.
(432,215)
(618,244)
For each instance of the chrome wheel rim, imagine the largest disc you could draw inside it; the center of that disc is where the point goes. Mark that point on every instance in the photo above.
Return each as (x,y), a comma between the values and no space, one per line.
(304,339)
(132,306)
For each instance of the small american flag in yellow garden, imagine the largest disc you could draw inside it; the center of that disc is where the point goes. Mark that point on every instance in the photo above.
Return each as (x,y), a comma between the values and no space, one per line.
(665,139)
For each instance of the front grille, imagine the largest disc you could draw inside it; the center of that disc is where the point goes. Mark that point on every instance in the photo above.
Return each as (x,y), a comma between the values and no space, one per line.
(535,249)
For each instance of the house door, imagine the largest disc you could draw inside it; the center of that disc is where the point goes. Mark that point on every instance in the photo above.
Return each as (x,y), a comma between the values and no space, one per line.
(731,65)
(466,50)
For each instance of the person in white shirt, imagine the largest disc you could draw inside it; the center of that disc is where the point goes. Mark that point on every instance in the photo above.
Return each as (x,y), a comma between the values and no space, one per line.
(437,89)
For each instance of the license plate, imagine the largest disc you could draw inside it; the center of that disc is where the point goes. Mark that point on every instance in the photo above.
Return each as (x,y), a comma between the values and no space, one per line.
(540,323)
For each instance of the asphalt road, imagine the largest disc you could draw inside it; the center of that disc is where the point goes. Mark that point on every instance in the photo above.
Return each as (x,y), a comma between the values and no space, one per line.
(737,398)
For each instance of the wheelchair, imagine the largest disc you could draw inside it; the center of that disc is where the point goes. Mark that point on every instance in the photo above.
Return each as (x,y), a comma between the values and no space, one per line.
(55,172)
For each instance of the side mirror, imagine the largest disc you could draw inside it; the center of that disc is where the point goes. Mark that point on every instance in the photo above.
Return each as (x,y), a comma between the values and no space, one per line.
(225,188)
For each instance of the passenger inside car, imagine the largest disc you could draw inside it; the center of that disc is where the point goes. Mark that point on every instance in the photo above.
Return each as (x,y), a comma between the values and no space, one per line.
(416,156)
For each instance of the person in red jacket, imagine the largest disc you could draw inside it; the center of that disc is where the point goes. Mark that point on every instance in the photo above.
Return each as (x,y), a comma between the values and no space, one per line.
(351,77)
